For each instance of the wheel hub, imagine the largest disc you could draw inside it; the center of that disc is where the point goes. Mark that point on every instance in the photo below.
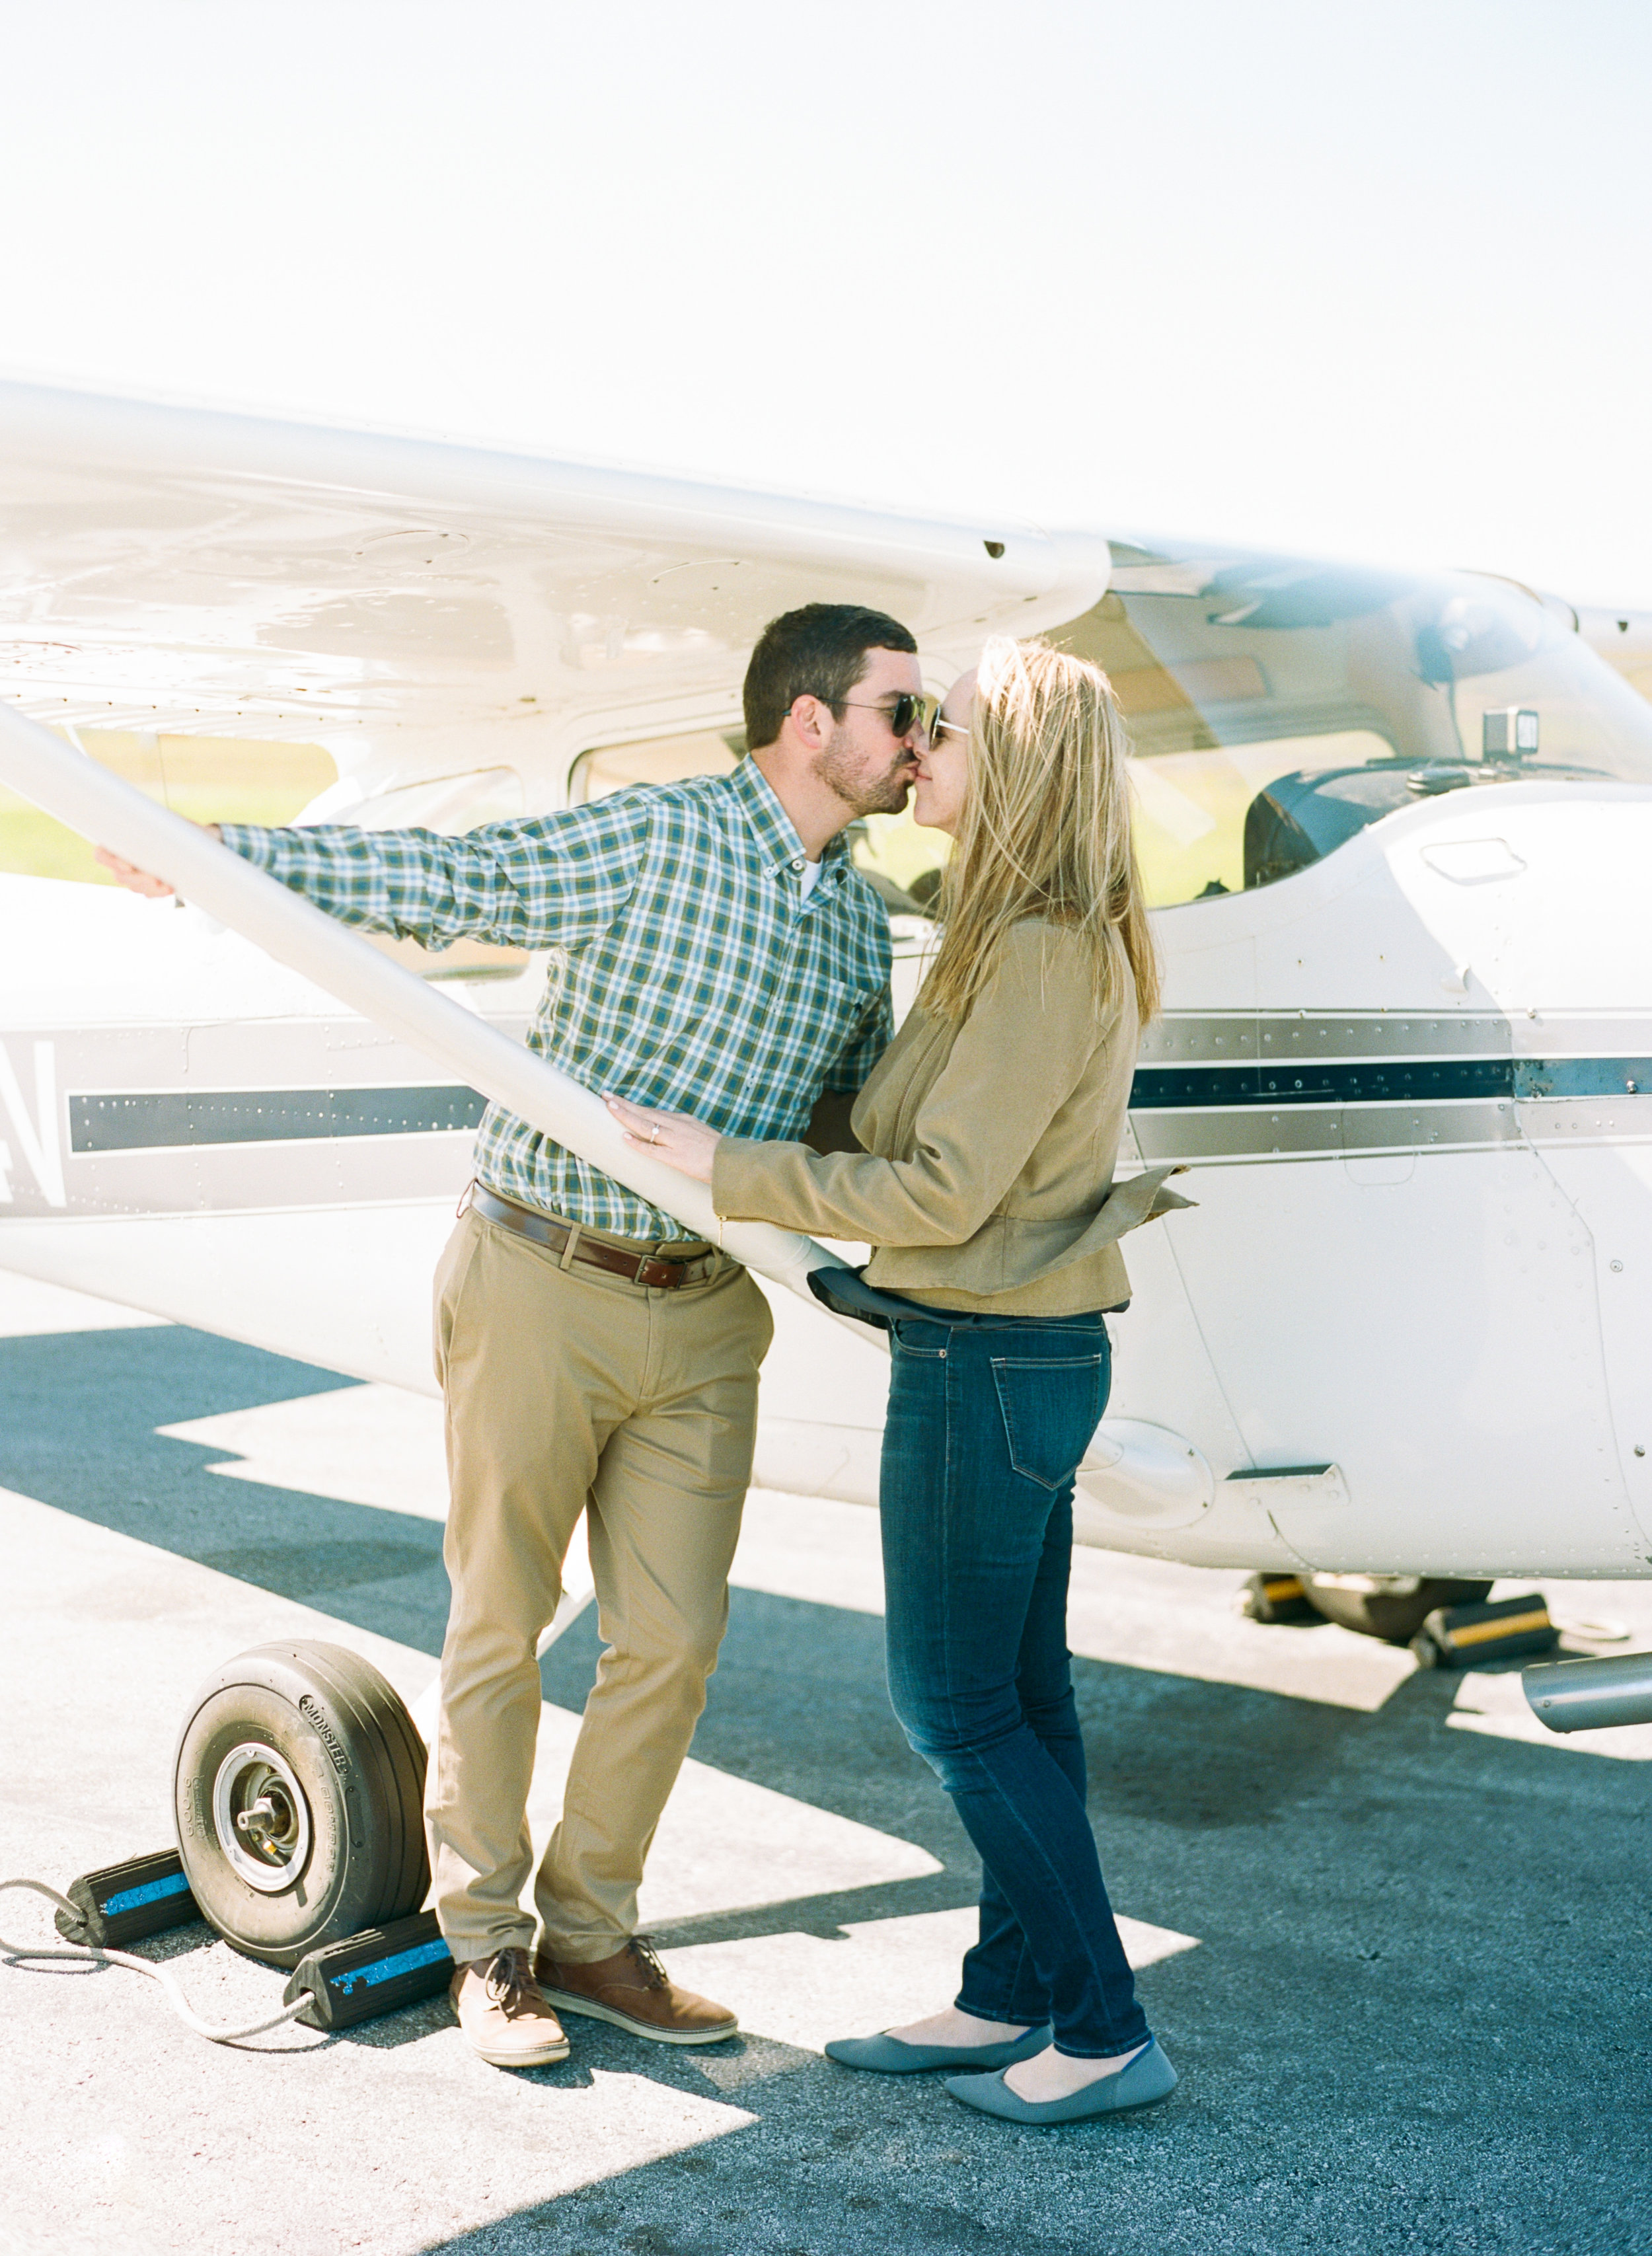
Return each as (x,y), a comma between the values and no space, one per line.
(262,1818)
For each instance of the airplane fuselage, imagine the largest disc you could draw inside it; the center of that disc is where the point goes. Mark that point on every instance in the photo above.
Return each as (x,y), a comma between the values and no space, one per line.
(1413,1084)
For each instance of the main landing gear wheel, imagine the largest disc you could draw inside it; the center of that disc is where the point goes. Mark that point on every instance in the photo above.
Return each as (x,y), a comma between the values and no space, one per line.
(300,1788)
(1393,1607)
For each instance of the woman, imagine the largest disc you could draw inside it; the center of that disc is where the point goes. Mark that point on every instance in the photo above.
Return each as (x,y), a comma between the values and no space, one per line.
(989,1129)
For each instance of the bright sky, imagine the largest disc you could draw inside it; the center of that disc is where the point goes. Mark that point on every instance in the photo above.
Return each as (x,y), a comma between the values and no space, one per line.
(1369,279)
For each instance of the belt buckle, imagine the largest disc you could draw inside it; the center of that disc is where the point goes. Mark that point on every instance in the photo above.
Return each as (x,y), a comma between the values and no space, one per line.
(669,1275)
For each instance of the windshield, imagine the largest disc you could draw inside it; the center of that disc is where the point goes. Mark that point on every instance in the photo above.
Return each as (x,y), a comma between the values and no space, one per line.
(1276,706)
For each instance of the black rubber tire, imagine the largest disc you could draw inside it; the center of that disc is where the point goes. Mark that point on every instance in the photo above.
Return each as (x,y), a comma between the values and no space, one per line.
(1394,1616)
(351,1748)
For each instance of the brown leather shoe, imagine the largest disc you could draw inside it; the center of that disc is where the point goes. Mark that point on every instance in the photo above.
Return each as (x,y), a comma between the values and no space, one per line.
(503,2013)
(633,1991)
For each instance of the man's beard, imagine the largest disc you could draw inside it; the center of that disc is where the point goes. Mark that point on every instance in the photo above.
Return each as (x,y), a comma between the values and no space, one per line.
(879,794)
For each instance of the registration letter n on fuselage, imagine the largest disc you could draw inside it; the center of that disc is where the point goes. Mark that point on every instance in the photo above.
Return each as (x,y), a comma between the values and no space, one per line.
(35,1135)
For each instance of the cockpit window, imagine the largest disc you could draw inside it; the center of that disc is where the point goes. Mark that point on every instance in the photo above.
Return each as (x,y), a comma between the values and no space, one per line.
(1276,706)
(656,760)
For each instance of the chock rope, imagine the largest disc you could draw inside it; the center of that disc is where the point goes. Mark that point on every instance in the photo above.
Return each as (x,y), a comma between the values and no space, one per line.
(167,1980)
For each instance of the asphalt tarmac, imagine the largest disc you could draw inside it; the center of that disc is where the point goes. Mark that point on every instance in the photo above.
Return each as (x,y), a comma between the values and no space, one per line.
(1395,1938)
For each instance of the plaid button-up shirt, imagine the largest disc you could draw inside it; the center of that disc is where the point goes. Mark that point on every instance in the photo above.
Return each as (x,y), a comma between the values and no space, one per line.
(687,970)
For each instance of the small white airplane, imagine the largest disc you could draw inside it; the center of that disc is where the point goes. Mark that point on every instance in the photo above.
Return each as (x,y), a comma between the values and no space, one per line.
(1396,825)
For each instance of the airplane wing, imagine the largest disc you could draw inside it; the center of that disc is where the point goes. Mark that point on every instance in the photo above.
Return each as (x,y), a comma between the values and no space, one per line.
(417,607)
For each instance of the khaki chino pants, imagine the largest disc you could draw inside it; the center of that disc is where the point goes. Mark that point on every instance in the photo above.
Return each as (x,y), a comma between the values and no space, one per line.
(570,1390)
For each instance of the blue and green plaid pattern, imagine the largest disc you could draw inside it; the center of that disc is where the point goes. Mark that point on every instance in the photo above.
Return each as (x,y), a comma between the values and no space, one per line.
(686,969)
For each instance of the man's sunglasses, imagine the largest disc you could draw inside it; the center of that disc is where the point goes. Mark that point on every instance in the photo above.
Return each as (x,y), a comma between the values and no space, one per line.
(908,712)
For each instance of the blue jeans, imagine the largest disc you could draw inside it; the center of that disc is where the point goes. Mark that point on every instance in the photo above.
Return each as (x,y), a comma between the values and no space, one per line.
(988,1419)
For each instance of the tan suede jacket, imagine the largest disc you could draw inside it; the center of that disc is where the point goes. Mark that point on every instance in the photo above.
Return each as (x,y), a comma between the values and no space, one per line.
(985,1179)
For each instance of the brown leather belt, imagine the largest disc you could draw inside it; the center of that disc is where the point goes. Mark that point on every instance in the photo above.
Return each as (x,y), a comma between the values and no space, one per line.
(568,1240)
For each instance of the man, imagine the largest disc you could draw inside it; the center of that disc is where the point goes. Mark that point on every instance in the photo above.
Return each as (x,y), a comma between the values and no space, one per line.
(718,954)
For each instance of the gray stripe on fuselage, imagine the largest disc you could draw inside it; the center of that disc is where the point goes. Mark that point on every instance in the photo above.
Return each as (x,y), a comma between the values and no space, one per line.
(1245,1086)
(1320,1131)
(1210,1087)
(1230,1037)
(152,1119)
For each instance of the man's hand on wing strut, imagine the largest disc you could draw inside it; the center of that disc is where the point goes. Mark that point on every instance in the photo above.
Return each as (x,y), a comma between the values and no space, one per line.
(144,881)
(675,1138)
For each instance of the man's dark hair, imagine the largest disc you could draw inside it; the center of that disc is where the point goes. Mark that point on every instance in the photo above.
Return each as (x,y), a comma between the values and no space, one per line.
(817,651)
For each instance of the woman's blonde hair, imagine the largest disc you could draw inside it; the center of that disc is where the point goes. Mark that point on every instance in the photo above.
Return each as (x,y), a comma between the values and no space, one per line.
(1045,830)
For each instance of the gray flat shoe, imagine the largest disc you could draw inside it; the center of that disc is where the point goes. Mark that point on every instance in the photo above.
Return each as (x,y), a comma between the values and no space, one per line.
(888,2056)
(1148,2079)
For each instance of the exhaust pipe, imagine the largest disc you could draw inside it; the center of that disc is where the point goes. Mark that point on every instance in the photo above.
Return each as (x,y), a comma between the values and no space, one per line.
(1590,1695)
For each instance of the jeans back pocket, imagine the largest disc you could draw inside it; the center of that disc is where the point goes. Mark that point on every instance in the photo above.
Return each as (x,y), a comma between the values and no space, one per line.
(1051,1407)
